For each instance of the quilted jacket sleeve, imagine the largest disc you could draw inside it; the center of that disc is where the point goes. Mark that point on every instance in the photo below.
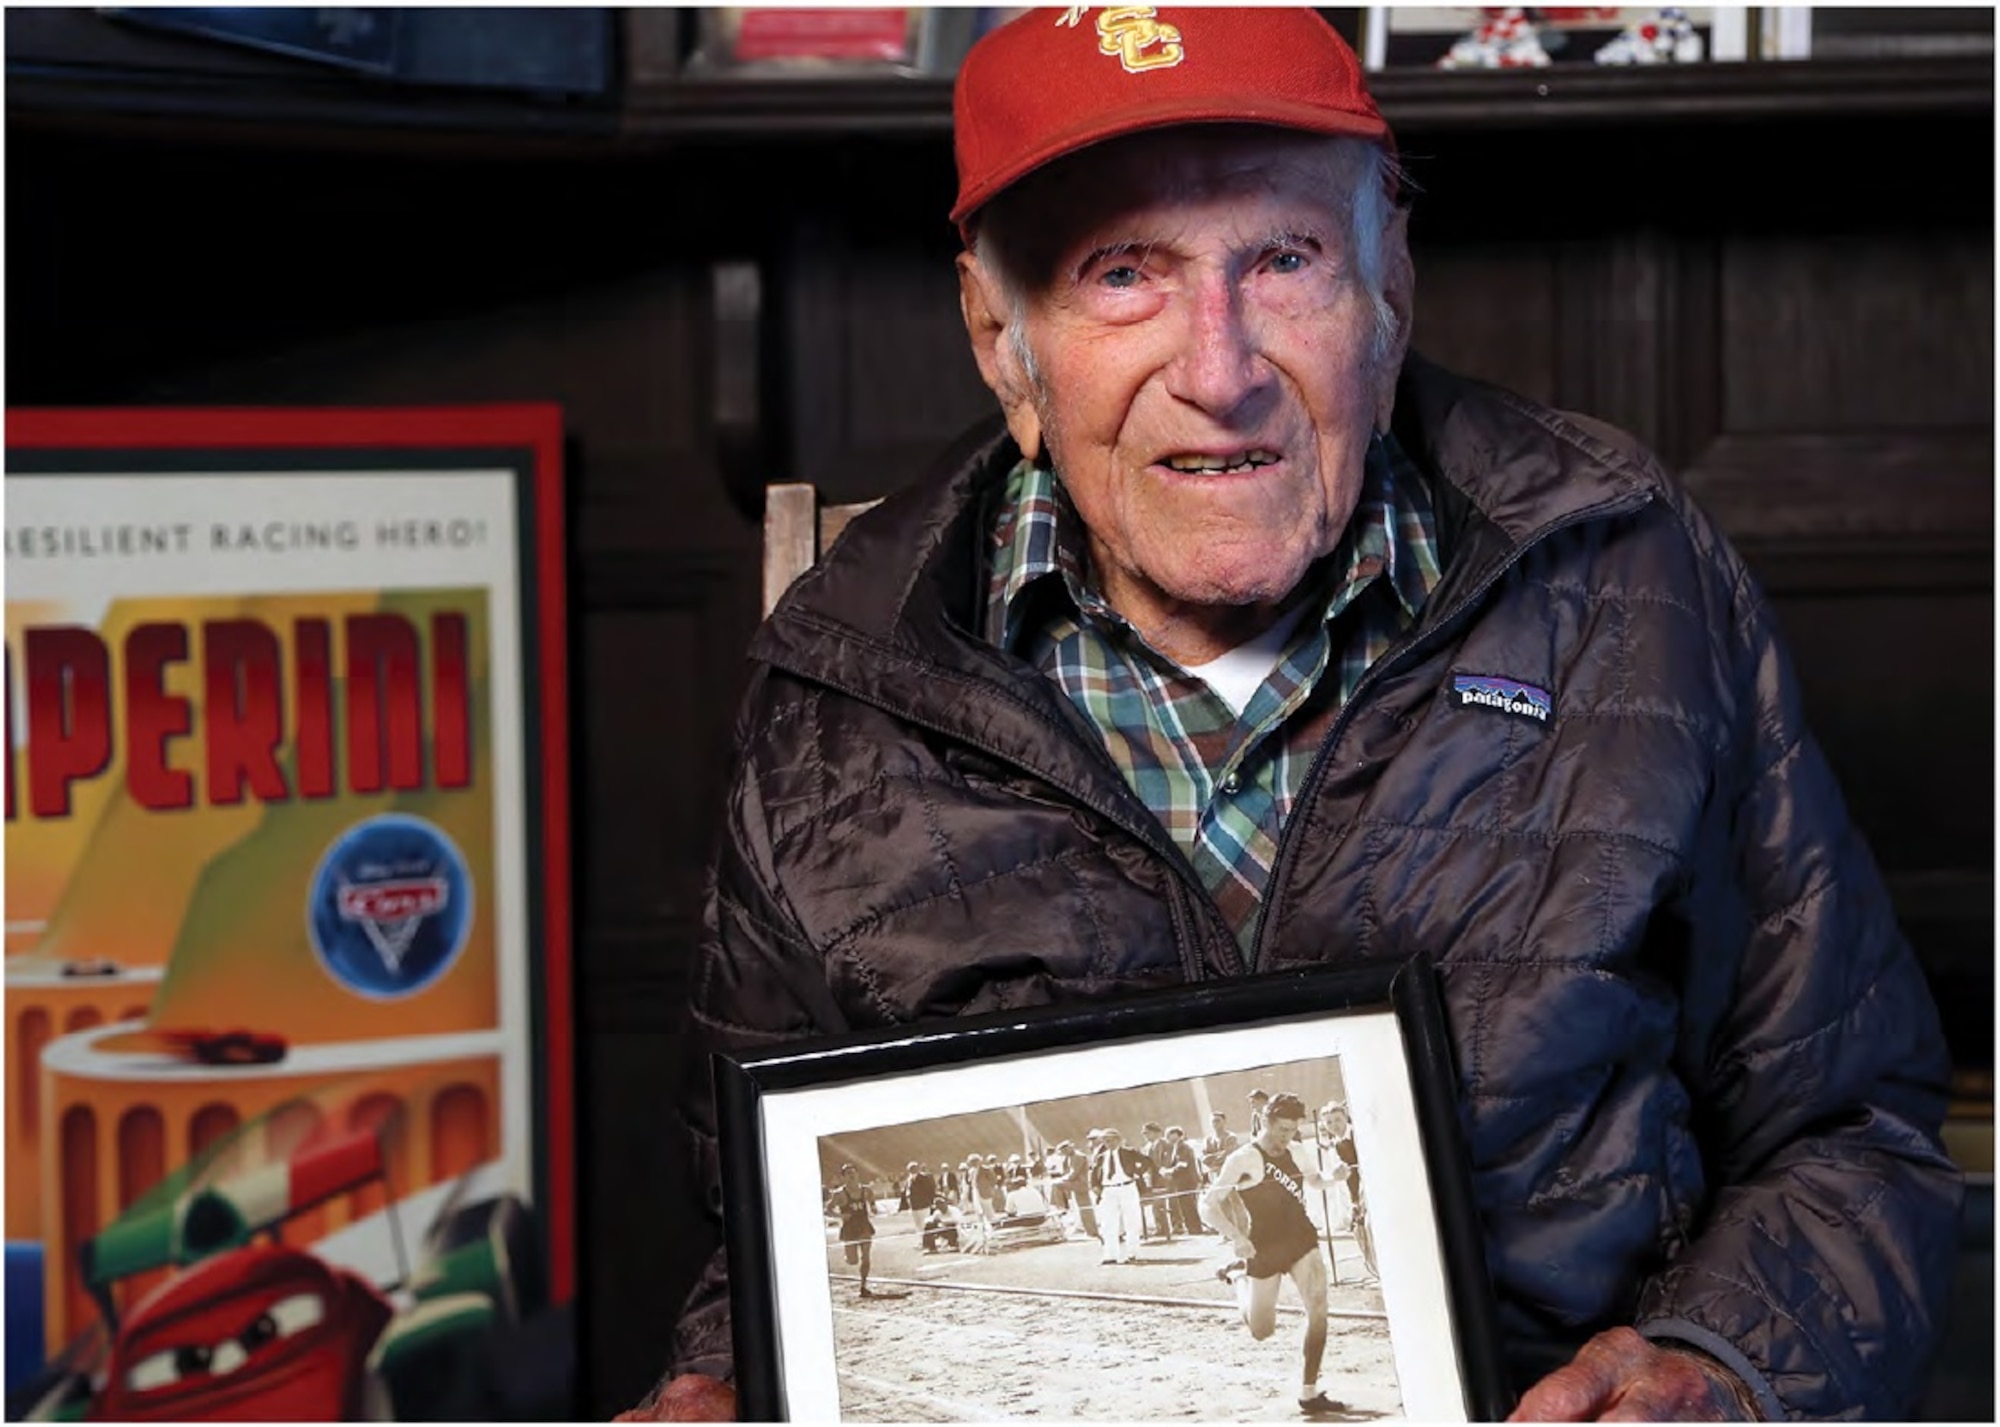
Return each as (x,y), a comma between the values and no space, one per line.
(1822,1267)
(758,982)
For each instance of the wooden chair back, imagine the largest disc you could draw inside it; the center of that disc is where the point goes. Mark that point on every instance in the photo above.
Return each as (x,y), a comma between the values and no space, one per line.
(797,531)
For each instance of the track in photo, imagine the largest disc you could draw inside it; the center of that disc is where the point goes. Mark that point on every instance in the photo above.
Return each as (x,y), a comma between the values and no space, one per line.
(1067,1338)
(983,1292)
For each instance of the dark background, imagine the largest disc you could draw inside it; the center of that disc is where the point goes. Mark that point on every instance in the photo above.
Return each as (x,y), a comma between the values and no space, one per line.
(1779,275)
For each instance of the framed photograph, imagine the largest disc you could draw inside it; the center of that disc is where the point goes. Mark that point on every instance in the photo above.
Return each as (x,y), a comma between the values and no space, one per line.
(1473,37)
(1043,1213)
(287,972)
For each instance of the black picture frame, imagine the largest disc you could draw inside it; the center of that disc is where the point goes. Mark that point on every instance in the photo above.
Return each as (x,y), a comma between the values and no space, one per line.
(786,1114)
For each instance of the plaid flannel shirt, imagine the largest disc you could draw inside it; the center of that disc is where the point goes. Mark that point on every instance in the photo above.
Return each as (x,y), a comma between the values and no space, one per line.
(1222,785)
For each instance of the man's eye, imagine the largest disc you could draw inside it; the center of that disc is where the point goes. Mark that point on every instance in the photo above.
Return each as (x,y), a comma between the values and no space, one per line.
(1288,262)
(1124,275)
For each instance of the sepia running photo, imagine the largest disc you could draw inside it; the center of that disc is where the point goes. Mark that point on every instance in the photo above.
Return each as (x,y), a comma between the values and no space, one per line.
(1194,1249)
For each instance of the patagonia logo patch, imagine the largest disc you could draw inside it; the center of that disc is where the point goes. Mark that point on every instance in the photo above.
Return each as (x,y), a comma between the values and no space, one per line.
(1483,691)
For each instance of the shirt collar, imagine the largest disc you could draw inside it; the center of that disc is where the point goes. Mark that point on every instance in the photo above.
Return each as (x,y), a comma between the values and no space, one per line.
(1039,534)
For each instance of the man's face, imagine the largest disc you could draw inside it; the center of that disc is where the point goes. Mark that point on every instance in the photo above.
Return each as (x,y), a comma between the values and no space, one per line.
(1207,374)
(1283,1127)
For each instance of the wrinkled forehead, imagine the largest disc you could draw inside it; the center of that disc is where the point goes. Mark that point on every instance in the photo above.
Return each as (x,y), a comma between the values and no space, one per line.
(1147,179)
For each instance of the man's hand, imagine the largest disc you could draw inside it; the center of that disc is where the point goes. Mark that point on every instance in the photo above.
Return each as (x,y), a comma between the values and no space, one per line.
(687,1398)
(1618,1376)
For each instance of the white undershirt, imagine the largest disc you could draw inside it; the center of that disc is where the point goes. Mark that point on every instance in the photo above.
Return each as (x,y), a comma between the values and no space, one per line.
(1237,674)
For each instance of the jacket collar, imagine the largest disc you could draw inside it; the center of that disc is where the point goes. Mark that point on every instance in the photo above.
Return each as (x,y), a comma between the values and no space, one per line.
(911,647)
(1506,471)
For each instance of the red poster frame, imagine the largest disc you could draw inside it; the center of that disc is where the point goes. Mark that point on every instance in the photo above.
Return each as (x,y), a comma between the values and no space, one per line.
(533,431)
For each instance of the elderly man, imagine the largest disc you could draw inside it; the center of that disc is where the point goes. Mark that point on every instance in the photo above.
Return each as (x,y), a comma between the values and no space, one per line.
(1255,641)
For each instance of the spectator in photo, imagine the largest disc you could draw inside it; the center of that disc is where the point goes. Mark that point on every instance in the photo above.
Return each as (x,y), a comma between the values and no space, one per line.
(919,1193)
(1180,1176)
(940,1229)
(1159,1218)
(1120,1178)
(1337,1132)
(1216,1145)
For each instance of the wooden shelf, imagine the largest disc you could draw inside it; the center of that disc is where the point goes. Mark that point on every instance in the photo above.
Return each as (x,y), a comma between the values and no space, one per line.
(1412,100)
(649,116)
(1429,99)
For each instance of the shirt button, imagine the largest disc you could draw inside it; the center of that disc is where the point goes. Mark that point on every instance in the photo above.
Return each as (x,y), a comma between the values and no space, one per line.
(1232,784)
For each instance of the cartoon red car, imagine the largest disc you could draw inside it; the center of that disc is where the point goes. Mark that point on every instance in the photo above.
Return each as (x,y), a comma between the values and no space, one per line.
(248,1327)
(263,1334)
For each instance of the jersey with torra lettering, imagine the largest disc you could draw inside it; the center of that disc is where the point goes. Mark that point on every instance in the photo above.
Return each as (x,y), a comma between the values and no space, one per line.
(1279,1226)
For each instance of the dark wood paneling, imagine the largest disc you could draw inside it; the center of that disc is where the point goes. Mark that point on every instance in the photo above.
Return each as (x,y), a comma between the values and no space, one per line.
(1818,485)
(640,1256)
(662,647)
(1621,298)
(882,376)
(1490,309)
(1857,332)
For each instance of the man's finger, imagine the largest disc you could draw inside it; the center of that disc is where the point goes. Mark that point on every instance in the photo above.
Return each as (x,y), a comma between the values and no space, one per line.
(1583,1388)
(1571,1393)
(687,1398)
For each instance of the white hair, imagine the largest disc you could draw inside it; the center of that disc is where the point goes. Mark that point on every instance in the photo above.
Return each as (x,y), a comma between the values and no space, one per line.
(1377,177)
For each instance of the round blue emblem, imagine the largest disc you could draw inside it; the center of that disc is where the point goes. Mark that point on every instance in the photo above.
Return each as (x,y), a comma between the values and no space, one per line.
(391,906)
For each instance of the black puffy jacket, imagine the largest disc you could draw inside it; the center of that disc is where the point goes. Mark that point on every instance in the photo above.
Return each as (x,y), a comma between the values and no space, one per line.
(1701,1075)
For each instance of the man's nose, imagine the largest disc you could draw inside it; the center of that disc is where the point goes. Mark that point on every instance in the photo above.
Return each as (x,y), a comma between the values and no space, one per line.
(1220,366)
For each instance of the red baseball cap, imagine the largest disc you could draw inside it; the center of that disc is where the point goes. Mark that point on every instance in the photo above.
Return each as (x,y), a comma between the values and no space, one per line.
(1055,81)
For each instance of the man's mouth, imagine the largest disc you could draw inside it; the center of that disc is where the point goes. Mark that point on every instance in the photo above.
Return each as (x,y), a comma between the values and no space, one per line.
(1231,464)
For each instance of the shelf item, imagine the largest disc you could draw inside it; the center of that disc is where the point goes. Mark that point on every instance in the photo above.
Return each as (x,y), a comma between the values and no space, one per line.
(1475,37)
(859,42)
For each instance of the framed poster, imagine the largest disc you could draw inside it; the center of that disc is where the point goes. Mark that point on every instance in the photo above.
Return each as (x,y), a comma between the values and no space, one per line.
(1027,1181)
(287,850)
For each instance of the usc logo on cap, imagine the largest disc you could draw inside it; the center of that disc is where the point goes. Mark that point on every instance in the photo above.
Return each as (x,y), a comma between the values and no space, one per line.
(1134,36)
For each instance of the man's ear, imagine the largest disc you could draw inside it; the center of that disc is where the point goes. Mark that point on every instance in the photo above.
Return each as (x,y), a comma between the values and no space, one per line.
(1399,290)
(985,311)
